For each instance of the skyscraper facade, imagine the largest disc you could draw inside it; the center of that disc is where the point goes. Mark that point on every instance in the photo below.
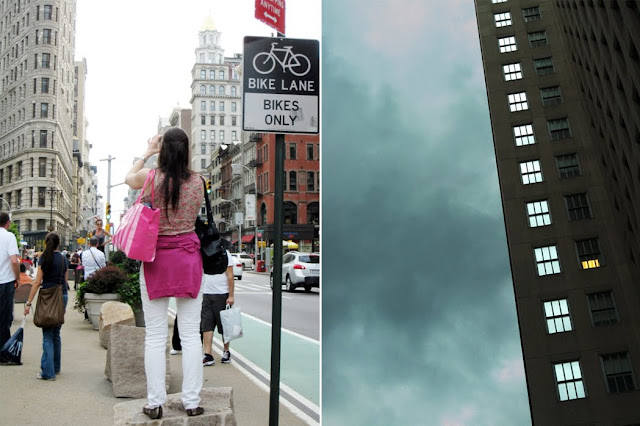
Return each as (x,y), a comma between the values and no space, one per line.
(562,81)
(36,116)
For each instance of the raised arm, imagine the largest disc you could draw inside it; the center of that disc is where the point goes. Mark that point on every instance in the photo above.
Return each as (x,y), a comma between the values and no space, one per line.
(138,173)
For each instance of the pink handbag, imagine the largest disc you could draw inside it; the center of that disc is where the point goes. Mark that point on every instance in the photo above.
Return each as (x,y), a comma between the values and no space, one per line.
(137,234)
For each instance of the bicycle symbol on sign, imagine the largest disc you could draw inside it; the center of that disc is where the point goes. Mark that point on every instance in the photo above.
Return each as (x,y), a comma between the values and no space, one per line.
(297,63)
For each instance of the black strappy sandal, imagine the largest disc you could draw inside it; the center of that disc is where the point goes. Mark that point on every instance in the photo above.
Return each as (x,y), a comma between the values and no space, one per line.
(153,413)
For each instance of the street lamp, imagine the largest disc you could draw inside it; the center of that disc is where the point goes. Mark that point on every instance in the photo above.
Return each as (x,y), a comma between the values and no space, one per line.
(2,199)
(255,217)
(239,224)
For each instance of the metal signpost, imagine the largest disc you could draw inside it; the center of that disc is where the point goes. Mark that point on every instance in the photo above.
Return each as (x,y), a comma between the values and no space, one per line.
(281,94)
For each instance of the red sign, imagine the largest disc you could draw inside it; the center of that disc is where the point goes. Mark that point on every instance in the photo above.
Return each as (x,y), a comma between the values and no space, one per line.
(271,12)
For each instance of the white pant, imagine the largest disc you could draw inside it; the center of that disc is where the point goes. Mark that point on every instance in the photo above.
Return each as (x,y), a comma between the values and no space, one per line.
(155,346)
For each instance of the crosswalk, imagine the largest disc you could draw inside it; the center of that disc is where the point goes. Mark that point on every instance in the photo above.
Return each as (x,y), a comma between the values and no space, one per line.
(242,287)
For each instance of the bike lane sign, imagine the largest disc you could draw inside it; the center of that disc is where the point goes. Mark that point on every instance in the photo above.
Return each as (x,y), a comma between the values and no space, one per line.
(281,79)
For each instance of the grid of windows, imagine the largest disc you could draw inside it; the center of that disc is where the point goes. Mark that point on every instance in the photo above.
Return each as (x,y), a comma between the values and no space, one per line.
(547,261)
(502,19)
(551,95)
(603,308)
(531,14)
(569,380)
(577,206)
(556,313)
(518,101)
(617,369)
(589,253)
(512,71)
(538,39)
(507,44)
(523,135)
(559,128)
(531,172)
(544,66)
(538,213)
(568,165)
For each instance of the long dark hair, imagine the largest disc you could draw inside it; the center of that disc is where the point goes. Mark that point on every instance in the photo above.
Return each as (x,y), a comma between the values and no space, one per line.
(52,242)
(173,161)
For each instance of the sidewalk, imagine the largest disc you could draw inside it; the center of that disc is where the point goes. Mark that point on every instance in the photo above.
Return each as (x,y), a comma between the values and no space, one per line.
(82,394)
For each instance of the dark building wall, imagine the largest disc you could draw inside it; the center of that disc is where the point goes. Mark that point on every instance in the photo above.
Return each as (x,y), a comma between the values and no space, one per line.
(598,114)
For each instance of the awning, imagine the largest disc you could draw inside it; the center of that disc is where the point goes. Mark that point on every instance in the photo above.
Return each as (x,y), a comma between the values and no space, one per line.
(247,238)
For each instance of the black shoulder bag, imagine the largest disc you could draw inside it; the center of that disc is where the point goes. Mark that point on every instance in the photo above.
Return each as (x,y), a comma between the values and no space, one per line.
(213,248)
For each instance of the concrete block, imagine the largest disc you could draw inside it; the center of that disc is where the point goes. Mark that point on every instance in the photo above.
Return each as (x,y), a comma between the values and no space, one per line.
(125,361)
(217,404)
(113,313)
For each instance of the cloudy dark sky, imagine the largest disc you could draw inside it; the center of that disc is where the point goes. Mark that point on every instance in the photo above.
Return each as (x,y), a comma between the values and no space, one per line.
(418,318)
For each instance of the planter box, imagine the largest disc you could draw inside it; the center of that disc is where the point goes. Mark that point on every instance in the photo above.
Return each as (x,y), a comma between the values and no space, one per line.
(94,302)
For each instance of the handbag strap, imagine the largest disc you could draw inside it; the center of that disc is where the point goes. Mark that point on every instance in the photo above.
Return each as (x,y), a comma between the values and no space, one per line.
(206,200)
(150,177)
(94,259)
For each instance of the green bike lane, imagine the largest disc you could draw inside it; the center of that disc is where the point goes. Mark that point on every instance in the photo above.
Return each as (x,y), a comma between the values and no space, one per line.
(299,361)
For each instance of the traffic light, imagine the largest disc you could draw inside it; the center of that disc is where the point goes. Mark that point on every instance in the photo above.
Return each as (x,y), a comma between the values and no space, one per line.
(107,227)
(209,186)
(108,211)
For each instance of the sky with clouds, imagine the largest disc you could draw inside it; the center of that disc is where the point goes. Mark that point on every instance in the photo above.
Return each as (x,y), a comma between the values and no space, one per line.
(419,320)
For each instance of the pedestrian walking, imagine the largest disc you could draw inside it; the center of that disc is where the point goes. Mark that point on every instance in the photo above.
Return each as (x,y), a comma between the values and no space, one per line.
(52,272)
(217,293)
(9,276)
(176,270)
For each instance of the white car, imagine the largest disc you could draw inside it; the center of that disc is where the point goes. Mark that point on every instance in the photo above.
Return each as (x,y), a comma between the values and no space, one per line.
(237,268)
(300,270)
(247,260)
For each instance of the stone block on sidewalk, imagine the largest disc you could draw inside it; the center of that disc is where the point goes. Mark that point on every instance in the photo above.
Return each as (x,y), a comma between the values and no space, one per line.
(125,361)
(217,404)
(113,313)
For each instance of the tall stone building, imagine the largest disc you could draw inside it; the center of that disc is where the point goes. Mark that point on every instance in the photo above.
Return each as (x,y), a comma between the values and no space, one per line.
(562,80)
(36,116)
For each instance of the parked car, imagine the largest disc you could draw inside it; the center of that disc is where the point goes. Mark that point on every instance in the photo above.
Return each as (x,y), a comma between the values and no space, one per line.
(300,270)
(237,268)
(246,259)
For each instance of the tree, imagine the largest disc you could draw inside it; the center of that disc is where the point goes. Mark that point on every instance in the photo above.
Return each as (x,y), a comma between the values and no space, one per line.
(13,228)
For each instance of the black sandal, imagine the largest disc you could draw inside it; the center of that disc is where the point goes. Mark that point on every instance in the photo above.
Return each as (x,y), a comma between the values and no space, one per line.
(153,413)
(195,411)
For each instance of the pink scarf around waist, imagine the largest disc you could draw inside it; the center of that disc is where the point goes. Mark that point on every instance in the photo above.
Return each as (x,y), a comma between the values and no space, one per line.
(177,269)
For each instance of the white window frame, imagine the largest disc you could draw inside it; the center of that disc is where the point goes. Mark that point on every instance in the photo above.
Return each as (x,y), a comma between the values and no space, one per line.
(518,101)
(547,261)
(502,19)
(556,313)
(531,172)
(512,71)
(538,213)
(507,44)
(524,135)
(569,380)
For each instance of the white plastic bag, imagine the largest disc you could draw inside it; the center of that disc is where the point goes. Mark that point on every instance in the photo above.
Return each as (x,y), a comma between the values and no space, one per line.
(231,319)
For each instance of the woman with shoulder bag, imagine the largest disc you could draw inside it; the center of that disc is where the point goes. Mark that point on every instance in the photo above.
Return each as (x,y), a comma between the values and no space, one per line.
(176,270)
(52,272)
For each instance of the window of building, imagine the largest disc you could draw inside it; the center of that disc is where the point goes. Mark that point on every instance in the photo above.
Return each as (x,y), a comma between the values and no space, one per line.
(292,151)
(569,380)
(603,308)
(538,38)
(42,167)
(523,135)
(618,372)
(46,36)
(203,119)
(203,105)
(589,253)
(203,163)
(531,14)
(531,172)
(47,11)
(234,135)
(44,86)
(502,19)
(203,148)
(203,89)
(507,44)
(559,128)
(212,90)
(41,197)
(577,206)
(213,106)
(221,119)
(293,181)
(547,261)
(551,95)
(518,102)
(568,165)
(212,74)
(221,105)
(556,313)
(309,151)
(221,75)
(203,74)
(512,72)
(213,135)
(234,107)
(203,134)
(234,91)
(44,110)
(221,135)
(212,120)
(538,213)
(310,182)
(221,90)
(544,66)
(43,138)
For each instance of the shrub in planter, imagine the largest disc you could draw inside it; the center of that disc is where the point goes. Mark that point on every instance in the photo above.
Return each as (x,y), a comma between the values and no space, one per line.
(129,292)
(104,280)
(130,266)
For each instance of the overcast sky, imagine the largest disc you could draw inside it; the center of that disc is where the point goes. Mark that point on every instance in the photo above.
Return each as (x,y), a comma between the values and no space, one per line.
(419,321)
(140,54)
